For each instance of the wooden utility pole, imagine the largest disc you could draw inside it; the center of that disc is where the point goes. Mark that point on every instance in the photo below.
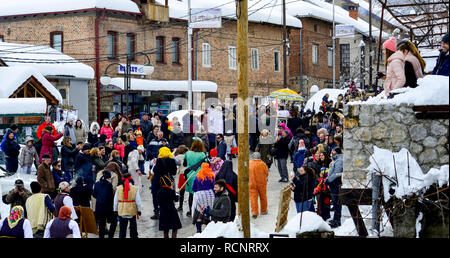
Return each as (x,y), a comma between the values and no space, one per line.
(242,115)
(284,46)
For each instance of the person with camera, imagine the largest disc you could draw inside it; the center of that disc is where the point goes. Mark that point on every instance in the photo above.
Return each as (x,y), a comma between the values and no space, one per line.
(18,195)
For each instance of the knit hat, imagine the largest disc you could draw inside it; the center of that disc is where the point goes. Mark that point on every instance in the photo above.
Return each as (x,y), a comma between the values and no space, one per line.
(390,44)
(14,126)
(445,38)
(86,147)
(65,212)
(213,153)
(63,185)
(18,182)
(106,174)
(46,156)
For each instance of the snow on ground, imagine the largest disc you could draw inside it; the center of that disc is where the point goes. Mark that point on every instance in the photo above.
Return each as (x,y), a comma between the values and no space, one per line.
(311,222)
(431,90)
(382,160)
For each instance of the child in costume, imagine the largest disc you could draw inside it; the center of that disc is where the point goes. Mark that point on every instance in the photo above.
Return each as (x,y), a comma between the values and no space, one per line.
(322,194)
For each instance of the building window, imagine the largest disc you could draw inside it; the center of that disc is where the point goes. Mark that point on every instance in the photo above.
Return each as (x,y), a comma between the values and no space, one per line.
(175,50)
(206,55)
(112,44)
(131,46)
(232,57)
(160,49)
(277,57)
(56,40)
(315,54)
(330,56)
(63,93)
(255,59)
(315,27)
(345,61)
(2,39)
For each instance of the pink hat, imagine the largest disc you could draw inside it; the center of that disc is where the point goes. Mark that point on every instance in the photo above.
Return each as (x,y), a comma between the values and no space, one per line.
(390,44)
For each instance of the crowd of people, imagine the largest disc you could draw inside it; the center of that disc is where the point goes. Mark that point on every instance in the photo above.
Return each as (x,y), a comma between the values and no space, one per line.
(102,167)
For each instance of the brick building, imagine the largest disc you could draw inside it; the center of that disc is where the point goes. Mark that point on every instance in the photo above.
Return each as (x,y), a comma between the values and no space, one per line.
(101,35)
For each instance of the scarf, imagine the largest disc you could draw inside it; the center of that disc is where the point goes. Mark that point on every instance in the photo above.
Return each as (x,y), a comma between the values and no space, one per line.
(15,216)
(65,212)
(126,187)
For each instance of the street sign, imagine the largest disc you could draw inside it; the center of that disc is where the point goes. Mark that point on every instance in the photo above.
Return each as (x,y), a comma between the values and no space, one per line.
(206,18)
(345,31)
(134,69)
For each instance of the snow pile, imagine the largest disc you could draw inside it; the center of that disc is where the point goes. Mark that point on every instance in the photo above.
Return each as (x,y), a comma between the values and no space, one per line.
(311,222)
(164,85)
(24,7)
(431,90)
(316,99)
(228,230)
(23,106)
(383,160)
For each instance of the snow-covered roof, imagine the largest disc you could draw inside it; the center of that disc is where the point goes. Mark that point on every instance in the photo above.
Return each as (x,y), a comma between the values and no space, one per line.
(24,7)
(261,11)
(23,106)
(316,99)
(342,17)
(376,10)
(12,78)
(431,90)
(164,85)
(48,61)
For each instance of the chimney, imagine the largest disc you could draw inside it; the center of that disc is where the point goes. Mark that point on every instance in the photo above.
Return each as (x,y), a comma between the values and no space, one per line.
(353,11)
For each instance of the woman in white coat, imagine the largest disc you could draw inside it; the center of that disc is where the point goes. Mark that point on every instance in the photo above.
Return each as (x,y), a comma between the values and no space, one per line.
(133,165)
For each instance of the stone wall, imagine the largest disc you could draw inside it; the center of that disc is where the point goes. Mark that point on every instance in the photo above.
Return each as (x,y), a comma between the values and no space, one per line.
(390,127)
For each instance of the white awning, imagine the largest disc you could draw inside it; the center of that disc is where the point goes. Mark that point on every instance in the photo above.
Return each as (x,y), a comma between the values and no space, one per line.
(161,85)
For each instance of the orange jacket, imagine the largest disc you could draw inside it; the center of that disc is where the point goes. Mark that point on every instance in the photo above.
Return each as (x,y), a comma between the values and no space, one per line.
(258,173)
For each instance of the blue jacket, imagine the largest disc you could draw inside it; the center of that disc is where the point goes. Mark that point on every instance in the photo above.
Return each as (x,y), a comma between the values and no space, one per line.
(299,157)
(83,167)
(4,138)
(442,64)
(222,150)
(61,176)
(10,147)
(336,168)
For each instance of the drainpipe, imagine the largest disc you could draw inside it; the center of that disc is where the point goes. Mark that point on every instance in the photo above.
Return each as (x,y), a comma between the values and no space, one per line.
(97,64)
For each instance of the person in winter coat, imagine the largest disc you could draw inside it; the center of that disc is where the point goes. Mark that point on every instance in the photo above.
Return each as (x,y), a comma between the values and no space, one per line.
(221,147)
(93,133)
(146,125)
(18,195)
(116,120)
(63,226)
(101,141)
(59,175)
(40,209)
(303,187)
(258,174)
(299,156)
(179,157)
(83,166)
(108,149)
(107,129)
(48,142)
(125,124)
(28,156)
(192,157)
(294,121)
(45,176)
(68,155)
(414,63)
(334,182)
(16,225)
(115,158)
(323,196)
(117,134)
(231,179)
(81,193)
(120,147)
(166,196)
(176,136)
(215,161)
(264,145)
(165,166)
(443,61)
(116,174)
(282,127)
(104,196)
(299,134)
(44,125)
(65,199)
(127,205)
(154,134)
(97,159)
(203,188)
(69,131)
(281,154)
(12,150)
(81,133)
(130,145)
(221,209)
(154,146)
(133,165)
(395,63)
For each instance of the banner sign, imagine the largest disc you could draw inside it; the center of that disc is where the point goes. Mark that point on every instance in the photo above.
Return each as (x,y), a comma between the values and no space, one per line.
(345,31)
(134,69)
(206,18)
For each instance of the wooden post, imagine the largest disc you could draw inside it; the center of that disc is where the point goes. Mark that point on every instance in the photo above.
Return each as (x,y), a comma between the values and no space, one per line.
(243,140)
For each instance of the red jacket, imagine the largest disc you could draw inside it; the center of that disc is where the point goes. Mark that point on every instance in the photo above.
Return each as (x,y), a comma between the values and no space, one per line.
(42,126)
(48,141)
